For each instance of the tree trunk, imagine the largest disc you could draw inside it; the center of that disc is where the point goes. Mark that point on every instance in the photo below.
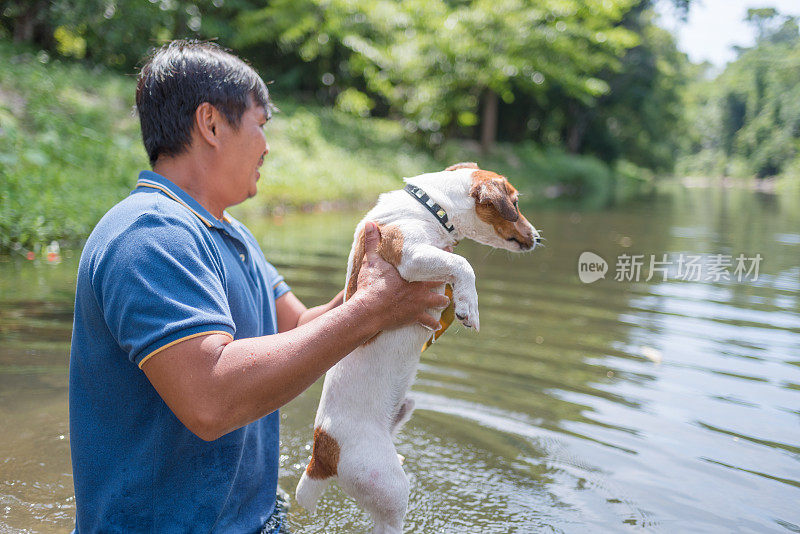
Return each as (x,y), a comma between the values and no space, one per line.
(31,25)
(23,27)
(489,121)
(574,138)
(576,130)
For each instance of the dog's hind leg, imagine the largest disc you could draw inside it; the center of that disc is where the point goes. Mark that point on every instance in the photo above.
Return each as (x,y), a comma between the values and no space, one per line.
(323,466)
(309,490)
(379,485)
(403,415)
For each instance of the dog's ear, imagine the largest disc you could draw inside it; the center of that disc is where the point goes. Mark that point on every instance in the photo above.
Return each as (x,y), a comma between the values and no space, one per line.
(463,165)
(494,191)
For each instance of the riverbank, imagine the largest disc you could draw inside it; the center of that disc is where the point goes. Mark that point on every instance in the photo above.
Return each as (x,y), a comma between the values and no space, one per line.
(70,149)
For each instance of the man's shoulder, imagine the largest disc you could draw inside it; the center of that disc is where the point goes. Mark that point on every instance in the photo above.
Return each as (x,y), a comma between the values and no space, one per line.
(145,210)
(139,219)
(151,207)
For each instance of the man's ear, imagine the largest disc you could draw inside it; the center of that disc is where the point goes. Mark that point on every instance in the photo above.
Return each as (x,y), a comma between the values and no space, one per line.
(494,192)
(206,120)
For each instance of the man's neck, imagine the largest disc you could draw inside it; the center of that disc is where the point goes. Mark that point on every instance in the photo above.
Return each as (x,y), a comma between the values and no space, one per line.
(192,177)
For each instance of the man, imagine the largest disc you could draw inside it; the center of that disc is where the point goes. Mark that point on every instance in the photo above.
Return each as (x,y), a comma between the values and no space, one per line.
(186,341)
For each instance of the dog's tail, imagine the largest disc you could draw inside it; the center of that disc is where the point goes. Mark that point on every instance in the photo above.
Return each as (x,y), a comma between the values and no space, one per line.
(309,490)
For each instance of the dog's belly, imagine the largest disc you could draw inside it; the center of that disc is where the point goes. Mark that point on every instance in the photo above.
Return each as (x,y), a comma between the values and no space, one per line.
(370,383)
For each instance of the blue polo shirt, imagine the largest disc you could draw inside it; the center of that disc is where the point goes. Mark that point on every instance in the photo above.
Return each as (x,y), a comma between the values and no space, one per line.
(158,269)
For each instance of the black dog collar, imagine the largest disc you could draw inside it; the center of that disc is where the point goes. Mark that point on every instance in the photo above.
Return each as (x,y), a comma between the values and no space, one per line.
(437,211)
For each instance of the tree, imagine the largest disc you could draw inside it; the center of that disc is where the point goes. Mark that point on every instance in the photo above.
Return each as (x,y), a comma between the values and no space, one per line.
(639,119)
(757,100)
(118,33)
(762,20)
(443,66)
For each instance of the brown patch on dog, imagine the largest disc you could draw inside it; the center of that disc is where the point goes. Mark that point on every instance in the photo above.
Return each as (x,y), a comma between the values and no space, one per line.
(355,267)
(496,204)
(390,247)
(324,457)
(491,188)
(463,165)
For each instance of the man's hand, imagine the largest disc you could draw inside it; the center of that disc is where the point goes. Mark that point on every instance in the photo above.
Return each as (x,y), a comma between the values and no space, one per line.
(382,289)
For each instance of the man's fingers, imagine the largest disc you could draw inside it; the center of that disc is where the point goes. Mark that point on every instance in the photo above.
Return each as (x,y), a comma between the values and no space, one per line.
(432,285)
(438,301)
(429,322)
(372,238)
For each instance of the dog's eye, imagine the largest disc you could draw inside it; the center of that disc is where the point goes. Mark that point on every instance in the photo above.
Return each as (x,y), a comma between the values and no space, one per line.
(516,204)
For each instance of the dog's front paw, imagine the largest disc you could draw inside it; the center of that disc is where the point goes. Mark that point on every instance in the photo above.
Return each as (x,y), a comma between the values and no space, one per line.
(467,310)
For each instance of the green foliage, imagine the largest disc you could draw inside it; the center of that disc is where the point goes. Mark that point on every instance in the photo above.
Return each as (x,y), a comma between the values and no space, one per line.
(641,119)
(69,148)
(117,33)
(319,155)
(593,76)
(747,120)
(431,62)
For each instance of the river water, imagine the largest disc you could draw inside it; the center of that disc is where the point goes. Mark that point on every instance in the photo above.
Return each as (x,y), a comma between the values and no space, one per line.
(662,405)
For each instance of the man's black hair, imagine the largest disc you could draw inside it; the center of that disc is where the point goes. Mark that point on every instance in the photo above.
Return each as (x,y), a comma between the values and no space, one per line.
(180,76)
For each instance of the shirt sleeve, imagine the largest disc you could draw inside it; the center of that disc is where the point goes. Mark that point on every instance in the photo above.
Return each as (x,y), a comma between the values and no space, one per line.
(279,286)
(275,280)
(161,282)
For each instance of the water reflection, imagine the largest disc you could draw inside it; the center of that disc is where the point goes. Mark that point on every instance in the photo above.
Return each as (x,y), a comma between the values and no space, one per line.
(669,405)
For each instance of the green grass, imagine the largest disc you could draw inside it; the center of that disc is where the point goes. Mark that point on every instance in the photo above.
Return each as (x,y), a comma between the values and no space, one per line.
(70,148)
(320,155)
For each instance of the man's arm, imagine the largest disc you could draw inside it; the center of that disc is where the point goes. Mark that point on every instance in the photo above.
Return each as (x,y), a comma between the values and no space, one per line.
(215,385)
(293,313)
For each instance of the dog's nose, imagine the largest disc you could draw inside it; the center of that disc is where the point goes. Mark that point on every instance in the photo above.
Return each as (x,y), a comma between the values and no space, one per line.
(527,238)
(536,238)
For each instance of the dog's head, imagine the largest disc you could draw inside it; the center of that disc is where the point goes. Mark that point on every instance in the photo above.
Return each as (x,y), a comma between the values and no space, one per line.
(497,221)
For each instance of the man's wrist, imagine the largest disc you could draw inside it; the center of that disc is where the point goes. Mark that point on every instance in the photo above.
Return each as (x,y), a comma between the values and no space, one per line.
(364,315)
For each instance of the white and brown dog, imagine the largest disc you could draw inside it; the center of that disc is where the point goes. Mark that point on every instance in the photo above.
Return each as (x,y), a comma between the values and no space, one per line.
(364,401)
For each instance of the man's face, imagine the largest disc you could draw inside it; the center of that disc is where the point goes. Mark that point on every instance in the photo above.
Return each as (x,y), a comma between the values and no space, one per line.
(243,152)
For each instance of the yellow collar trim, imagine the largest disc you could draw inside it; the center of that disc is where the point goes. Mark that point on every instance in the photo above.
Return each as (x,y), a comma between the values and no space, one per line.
(174,197)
